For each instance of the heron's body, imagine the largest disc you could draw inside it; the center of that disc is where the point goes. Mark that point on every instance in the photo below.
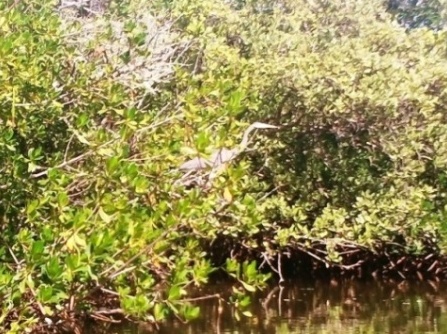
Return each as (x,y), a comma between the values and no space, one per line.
(224,155)
(195,164)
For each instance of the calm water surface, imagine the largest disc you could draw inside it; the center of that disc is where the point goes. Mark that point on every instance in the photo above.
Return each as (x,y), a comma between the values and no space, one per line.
(321,307)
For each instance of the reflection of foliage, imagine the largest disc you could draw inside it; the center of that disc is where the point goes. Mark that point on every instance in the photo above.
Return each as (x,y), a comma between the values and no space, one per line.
(336,307)
(416,13)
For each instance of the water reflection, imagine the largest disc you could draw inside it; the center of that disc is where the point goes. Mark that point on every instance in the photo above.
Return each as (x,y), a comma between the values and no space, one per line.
(323,307)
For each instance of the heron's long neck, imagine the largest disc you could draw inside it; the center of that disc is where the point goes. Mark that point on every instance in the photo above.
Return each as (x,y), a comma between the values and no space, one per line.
(245,138)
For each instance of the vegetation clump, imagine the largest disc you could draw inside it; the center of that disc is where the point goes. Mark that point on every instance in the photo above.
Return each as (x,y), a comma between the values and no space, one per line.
(99,113)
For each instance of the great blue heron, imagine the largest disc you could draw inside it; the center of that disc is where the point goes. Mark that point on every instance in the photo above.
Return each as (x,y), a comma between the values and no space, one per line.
(195,164)
(224,155)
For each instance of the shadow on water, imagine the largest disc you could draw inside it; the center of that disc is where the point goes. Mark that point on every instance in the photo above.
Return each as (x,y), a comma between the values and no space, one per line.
(321,307)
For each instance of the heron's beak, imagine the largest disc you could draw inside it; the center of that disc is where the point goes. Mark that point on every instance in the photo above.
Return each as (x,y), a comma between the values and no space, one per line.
(267,126)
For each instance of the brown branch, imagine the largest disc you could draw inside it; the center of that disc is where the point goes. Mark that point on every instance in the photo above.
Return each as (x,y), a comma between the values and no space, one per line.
(33,292)
(104,318)
(133,258)
(216,295)
(88,153)
(109,311)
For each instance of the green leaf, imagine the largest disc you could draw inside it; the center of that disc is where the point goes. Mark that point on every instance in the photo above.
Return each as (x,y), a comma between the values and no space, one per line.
(245,301)
(159,312)
(81,138)
(141,185)
(37,249)
(237,315)
(248,287)
(251,270)
(62,199)
(104,216)
(53,269)
(247,314)
(32,207)
(175,292)
(191,313)
(80,241)
(45,293)
(188,151)
(112,165)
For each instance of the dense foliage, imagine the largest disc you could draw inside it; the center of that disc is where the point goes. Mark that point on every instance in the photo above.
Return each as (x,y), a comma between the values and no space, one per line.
(95,125)
(415,14)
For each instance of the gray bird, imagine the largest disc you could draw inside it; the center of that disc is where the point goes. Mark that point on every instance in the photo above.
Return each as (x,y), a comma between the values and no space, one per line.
(195,164)
(224,155)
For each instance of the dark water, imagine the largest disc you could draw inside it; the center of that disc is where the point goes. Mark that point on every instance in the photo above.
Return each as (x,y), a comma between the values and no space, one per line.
(321,307)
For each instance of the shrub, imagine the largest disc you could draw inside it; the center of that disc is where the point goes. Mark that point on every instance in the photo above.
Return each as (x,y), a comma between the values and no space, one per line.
(92,206)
